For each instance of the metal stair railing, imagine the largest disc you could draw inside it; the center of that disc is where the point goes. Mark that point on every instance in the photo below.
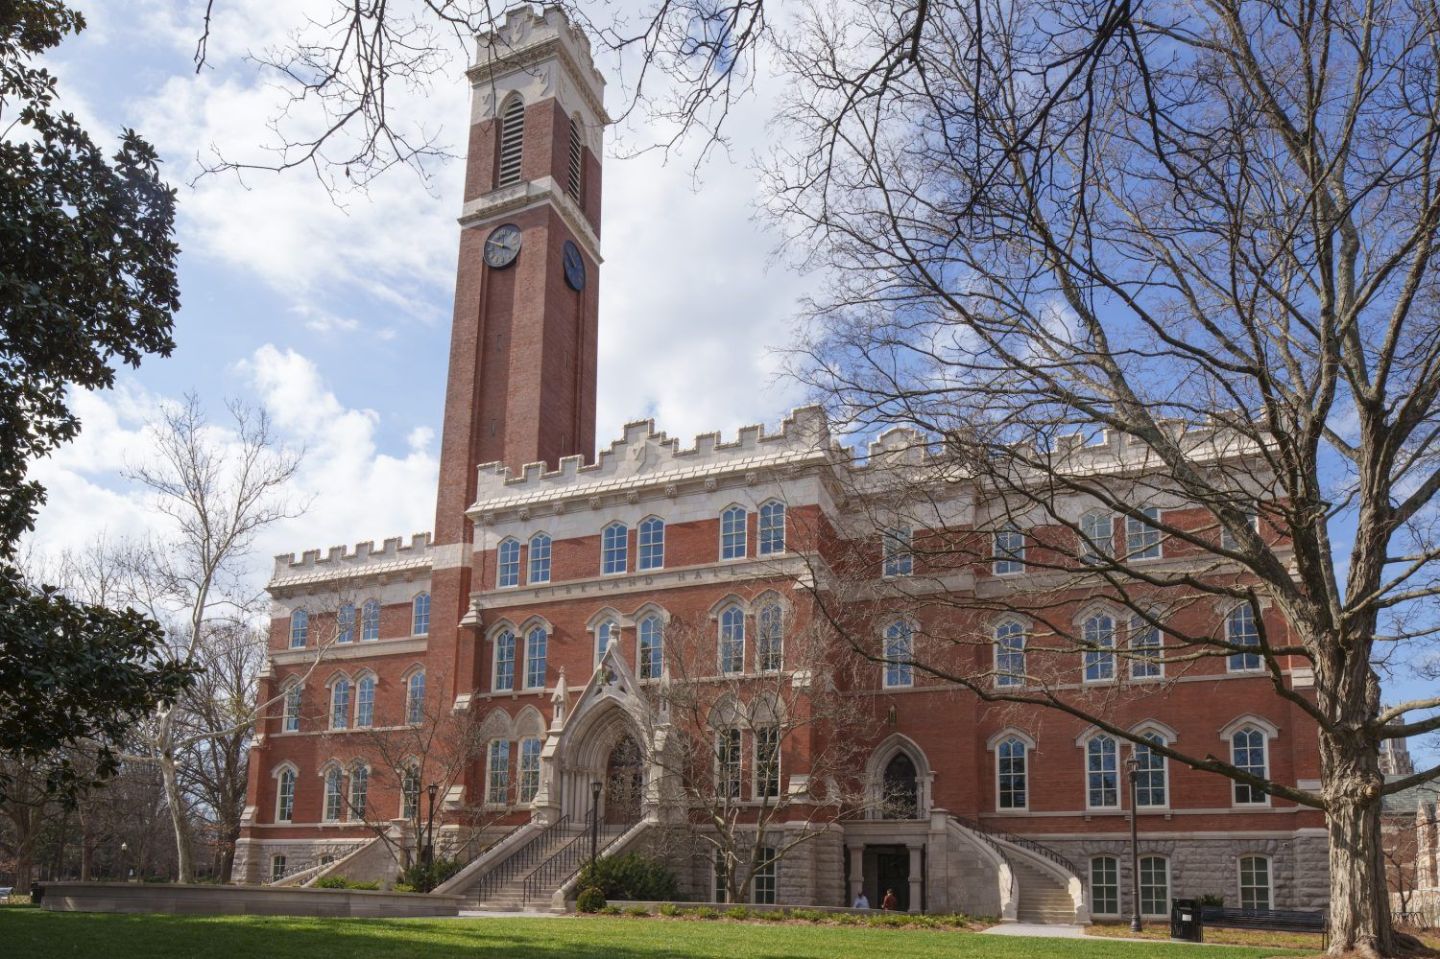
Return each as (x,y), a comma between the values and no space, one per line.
(990,835)
(568,860)
(527,855)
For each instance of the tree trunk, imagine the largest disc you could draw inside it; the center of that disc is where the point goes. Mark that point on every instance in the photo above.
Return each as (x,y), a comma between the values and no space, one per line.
(1359,897)
(184,869)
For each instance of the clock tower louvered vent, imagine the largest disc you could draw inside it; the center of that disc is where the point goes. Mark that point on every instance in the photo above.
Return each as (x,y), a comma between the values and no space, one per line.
(573,187)
(512,137)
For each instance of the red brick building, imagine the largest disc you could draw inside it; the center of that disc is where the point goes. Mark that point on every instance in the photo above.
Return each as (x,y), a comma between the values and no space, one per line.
(533,622)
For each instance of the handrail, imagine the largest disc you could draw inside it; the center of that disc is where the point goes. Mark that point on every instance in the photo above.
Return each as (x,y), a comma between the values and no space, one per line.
(567,861)
(1030,844)
(526,855)
(473,844)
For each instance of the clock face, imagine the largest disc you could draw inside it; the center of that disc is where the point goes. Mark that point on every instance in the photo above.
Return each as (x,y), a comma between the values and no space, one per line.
(574,266)
(502,247)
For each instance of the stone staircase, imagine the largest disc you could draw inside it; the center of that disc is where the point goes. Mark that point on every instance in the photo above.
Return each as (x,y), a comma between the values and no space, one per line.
(529,878)
(1042,897)
(1039,885)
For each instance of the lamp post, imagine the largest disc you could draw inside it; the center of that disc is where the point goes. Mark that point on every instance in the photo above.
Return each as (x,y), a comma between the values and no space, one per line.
(1132,766)
(124,860)
(595,788)
(431,790)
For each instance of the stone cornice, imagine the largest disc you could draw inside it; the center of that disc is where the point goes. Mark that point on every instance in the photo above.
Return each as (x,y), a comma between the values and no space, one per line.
(359,650)
(512,199)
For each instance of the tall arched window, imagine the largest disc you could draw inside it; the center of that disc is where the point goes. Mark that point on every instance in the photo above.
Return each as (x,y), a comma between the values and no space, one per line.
(504,661)
(293,696)
(732,640)
(605,634)
(1151,788)
(529,769)
(651,543)
(370,619)
(420,615)
(652,647)
(771,529)
(1247,753)
(334,795)
(345,623)
(537,643)
(899,654)
(540,558)
(507,563)
(614,544)
(1009,654)
(410,793)
(1098,635)
(1009,550)
(340,704)
(285,796)
(512,140)
(902,788)
(575,171)
(359,791)
(770,637)
(896,548)
(1102,773)
(1147,656)
(732,532)
(1240,631)
(299,628)
(497,773)
(1097,536)
(1011,774)
(415,699)
(365,702)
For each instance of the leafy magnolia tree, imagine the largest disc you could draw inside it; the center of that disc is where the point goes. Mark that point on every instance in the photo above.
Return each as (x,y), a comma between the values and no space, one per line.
(1206,230)
(87,277)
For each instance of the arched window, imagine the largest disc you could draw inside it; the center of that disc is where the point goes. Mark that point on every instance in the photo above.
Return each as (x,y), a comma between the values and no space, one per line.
(359,791)
(334,795)
(1154,886)
(1151,787)
(727,762)
(540,558)
(365,702)
(1098,635)
(370,619)
(285,796)
(732,532)
(1102,773)
(420,615)
(345,623)
(512,140)
(299,628)
(1240,631)
(1097,536)
(1247,753)
(770,638)
(771,529)
(614,543)
(537,642)
(767,762)
(651,543)
(1011,774)
(732,640)
(497,773)
(410,793)
(1254,882)
(1147,657)
(1010,654)
(293,696)
(605,634)
(1009,550)
(340,704)
(572,185)
(415,698)
(1105,886)
(902,788)
(1142,534)
(507,563)
(504,661)
(651,635)
(896,547)
(899,654)
(529,769)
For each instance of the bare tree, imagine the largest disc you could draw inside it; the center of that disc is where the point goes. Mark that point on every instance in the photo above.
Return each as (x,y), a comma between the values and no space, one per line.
(1209,242)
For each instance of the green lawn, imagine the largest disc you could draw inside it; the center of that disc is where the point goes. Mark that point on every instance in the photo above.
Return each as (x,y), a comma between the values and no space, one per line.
(33,934)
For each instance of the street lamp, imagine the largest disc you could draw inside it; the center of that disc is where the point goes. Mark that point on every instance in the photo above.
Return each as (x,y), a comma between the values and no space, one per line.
(595,788)
(431,789)
(1132,766)
(124,859)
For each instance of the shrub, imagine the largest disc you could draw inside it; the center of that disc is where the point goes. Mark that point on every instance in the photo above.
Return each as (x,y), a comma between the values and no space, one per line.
(772,915)
(610,909)
(670,909)
(809,915)
(369,885)
(737,912)
(591,899)
(637,911)
(331,882)
(631,876)
(424,878)
(404,887)
(1213,899)
(704,912)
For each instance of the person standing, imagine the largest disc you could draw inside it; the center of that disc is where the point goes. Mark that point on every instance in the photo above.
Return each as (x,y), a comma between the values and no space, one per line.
(889,903)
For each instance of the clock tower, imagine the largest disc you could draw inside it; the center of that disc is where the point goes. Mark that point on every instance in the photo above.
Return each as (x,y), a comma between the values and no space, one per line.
(521,382)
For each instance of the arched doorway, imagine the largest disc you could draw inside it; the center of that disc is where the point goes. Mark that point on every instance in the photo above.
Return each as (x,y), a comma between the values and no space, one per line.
(624,782)
(901,788)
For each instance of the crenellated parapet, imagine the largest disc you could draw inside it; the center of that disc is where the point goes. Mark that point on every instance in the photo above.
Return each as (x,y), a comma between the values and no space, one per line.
(313,567)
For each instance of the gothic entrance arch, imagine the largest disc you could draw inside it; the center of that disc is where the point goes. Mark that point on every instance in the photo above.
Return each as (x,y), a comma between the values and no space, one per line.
(624,782)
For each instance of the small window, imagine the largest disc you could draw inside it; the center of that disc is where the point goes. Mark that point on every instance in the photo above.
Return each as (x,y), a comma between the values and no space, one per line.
(1247,753)
(614,542)
(277,868)
(540,558)
(772,528)
(1146,651)
(1151,788)
(1142,534)
(899,560)
(1010,654)
(1254,882)
(529,769)
(1240,631)
(767,762)
(334,795)
(1011,773)
(1105,886)
(365,702)
(762,882)
(504,661)
(652,647)
(345,623)
(370,620)
(537,643)
(1097,536)
(340,704)
(512,141)
(420,615)
(732,532)
(1098,635)
(410,794)
(651,543)
(732,640)
(293,697)
(1154,886)
(285,796)
(299,628)
(507,563)
(1009,551)
(1102,773)
(770,638)
(727,763)
(359,792)
(899,655)
(605,634)
(497,776)
(415,699)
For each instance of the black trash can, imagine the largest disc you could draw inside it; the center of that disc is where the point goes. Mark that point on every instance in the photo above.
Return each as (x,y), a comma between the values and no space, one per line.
(37,893)
(1186,924)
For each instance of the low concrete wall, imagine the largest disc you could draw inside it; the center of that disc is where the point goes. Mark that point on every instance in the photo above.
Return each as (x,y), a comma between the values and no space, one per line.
(173,898)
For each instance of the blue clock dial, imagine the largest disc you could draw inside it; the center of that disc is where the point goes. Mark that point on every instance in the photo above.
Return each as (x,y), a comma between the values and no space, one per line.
(574,266)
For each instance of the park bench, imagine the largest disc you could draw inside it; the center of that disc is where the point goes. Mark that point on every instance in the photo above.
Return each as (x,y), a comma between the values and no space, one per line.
(1272,920)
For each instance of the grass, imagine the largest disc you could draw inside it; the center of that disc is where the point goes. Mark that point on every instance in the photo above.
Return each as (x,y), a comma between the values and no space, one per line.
(1303,942)
(35,934)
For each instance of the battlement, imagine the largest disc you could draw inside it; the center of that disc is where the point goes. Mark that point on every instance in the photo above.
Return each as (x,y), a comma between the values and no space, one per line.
(393,554)
(530,34)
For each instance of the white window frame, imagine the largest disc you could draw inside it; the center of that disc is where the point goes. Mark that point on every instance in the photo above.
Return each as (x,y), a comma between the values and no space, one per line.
(1143,539)
(1269,886)
(1024,772)
(285,811)
(1097,536)
(531,659)
(1140,661)
(539,559)
(729,626)
(1091,773)
(495,661)
(1235,799)
(420,615)
(340,713)
(1007,560)
(1229,542)
(609,630)
(644,669)
(415,705)
(770,533)
(1164,772)
(370,625)
(1239,662)
(345,623)
(1114,885)
(507,563)
(609,551)
(497,779)
(332,805)
(294,703)
(741,539)
(1006,677)
(898,557)
(895,673)
(757,784)
(299,628)
(278,863)
(357,804)
(528,769)
(768,873)
(510,142)
(1169,885)
(409,798)
(1101,661)
(770,638)
(360,701)
(729,772)
(646,538)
